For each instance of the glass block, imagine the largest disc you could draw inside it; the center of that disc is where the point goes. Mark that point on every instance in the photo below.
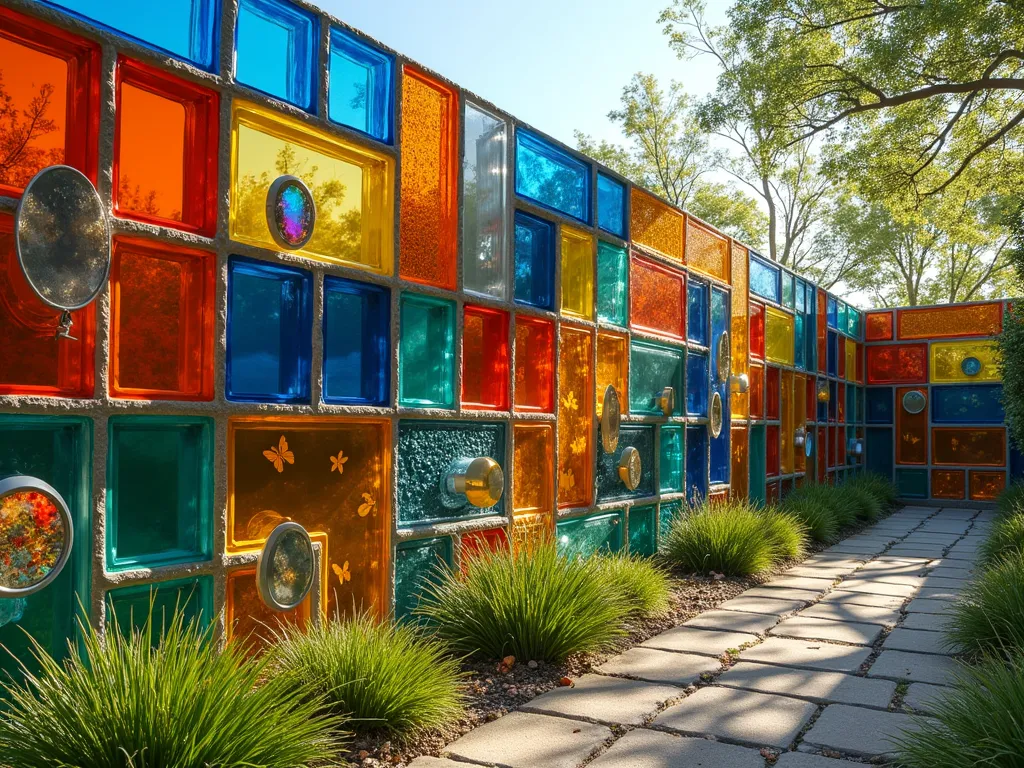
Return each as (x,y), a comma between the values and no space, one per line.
(822,328)
(128,608)
(822,450)
(960,447)
(657,298)
(357,346)
(535,365)
(670,478)
(878,326)
(800,341)
(831,452)
(643,531)
(426,352)
(609,484)
(656,225)
(352,186)
(832,357)
(611,205)
(764,279)
(652,367)
(773,390)
(161,321)
(586,536)
(361,86)
(485,376)
(697,312)
(986,486)
(552,177)
(740,329)
(575,417)
(772,457)
(778,336)
(812,398)
(756,391)
(718,469)
(612,283)
(948,483)
(852,350)
(771,493)
(898,364)
(418,564)
(696,464)
(853,322)
(535,261)
(841,402)
(758,463)
(950,321)
(833,313)
(612,368)
(667,513)
(577,273)
(841,317)
(719,327)
(276,50)
(479,542)
(757,331)
(269,333)
(979,404)
(788,426)
(833,400)
(706,250)
(532,482)
(484,170)
(531,531)
(159,491)
(247,619)
(878,449)
(841,356)
(851,403)
(696,384)
(740,462)
(788,290)
(912,483)
(954,361)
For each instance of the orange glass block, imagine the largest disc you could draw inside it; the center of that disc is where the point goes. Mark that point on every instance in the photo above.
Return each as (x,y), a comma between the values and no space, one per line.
(854,366)
(706,250)
(739,403)
(950,321)
(740,462)
(612,368)
(822,326)
(841,403)
(577,273)
(656,225)
(878,326)
(657,298)
(247,618)
(428,228)
(911,431)
(533,462)
(948,483)
(898,364)
(530,531)
(756,391)
(969,446)
(986,486)
(535,364)
(757,342)
(476,542)
(162,311)
(332,476)
(575,417)
(484,359)
(788,423)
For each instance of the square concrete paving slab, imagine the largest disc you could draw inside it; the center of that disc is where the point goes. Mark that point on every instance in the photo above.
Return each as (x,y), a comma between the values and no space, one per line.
(745,717)
(809,628)
(952,572)
(915,667)
(918,551)
(917,641)
(872,587)
(940,593)
(921,605)
(522,740)
(858,731)
(605,699)
(763,605)
(654,749)
(862,598)
(865,614)
(921,697)
(803,760)
(816,685)
(733,621)
(782,593)
(820,571)
(705,642)
(434,762)
(660,666)
(930,622)
(800,582)
(807,654)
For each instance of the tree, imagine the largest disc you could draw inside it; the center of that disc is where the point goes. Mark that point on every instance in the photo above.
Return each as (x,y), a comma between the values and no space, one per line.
(21,127)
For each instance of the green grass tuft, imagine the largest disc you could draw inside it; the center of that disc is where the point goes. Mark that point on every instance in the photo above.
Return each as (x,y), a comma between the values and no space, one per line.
(645,587)
(882,488)
(815,514)
(1005,540)
(989,617)
(866,507)
(1011,500)
(786,532)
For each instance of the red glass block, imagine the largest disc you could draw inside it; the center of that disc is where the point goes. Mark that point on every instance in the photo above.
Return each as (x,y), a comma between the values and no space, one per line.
(657,298)
(986,486)
(842,357)
(484,359)
(475,542)
(757,330)
(719,497)
(535,364)
(756,390)
(822,326)
(772,450)
(774,392)
(821,452)
(841,404)
(898,364)
(878,326)
(947,484)
(771,493)
(248,620)
(812,399)
(911,431)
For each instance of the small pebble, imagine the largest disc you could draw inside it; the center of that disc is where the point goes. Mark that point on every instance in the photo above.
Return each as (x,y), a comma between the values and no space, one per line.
(532,664)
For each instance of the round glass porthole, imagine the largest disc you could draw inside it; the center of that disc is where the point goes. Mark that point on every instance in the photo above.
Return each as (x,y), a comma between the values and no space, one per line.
(284,571)
(291,212)
(914,401)
(36,535)
(971,366)
(715,414)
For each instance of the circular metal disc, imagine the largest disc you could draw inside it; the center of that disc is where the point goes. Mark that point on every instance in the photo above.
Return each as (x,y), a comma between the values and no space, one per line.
(715,414)
(971,366)
(62,238)
(611,416)
(724,357)
(630,467)
(36,535)
(291,212)
(914,401)
(284,571)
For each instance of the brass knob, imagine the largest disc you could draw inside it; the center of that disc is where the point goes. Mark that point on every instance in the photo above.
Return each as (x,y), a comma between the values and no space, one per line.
(667,400)
(630,467)
(479,481)
(800,437)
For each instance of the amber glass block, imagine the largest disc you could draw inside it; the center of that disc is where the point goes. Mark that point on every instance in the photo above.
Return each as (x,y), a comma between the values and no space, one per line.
(740,462)
(655,225)
(969,446)
(575,420)
(822,326)
(331,475)
(773,392)
(612,368)
(533,462)
(739,403)
(841,403)
(485,377)
(247,618)
(778,336)
(577,273)
(706,250)
(986,486)
(535,364)
(898,364)
(947,361)
(948,483)
(657,298)
(161,321)
(950,321)
(757,330)
(428,230)
(529,531)
(878,326)
(772,449)
(788,423)
(756,391)
(841,344)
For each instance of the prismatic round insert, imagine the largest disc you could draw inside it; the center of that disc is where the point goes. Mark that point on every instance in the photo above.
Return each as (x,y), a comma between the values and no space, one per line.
(284,571)
(914,401)
(291,212)
(971,366)
(36,535)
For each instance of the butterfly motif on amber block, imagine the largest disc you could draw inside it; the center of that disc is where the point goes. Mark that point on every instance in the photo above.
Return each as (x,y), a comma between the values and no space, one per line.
(278,456)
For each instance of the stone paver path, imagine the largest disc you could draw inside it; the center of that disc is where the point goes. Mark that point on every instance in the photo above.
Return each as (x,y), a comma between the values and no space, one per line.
(836,657)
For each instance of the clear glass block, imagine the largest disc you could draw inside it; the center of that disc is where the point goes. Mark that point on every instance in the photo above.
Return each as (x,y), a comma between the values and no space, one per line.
(484,235)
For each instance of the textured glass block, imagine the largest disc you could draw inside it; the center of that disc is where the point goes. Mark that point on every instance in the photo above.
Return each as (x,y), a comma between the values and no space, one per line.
(697,312)
(586,536)
(552,177)
(778,336)
(159,491)
(361,86)
(535,261)
(948,484)
(667,513)
(740,330)
(670,479)
(696,464)
(912,483)
(955,361)
(841,402)
(740,479)
(800,341)
(757,329)
(357,348)
(575,417)
(879,451)
(772,450)
(428,229)
(247,619)
(773,391)
(950,321)
(878,326)
(611,205)
(656,225)
(833,313)
(612,368)
(657,299)
(478,542)
(417,564)
(707,251)
(822,328)
(426,354)
(484,169)
(959,446)
(533,446)
(756,391)
(653,367)
(986,486)
(128,608)
(485,375)
(643,531)
(535,365)
(577,273)
(609,484)
(898,364)
(852,352)
(696,384)
(981,404)
(269,332)
(841,317)
(276,50)
(612,283)
(853,322)
(531,531)
(764,279)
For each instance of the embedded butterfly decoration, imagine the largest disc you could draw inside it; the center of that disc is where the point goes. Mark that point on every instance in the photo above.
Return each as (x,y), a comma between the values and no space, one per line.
(278,456)
(343,573)
(369,505)
(338,462)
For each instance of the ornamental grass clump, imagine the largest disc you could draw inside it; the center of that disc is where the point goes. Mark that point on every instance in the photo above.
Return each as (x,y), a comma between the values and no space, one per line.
(1005,540)
(815,514)
(786,532)
(865,505)
(988,619)
(882,488)
(1011,500)
(645,587)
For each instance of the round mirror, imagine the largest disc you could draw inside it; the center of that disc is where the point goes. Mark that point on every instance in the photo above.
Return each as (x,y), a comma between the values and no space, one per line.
(914,401)
(36,535)
(611,416)
(291,212)
(724,357)
(715,414)
(971,366)
(284,571)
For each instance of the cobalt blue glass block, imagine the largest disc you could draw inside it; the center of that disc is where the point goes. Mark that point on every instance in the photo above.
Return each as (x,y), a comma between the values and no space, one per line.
(276,50)
(764,279)
(832,353)
(357,330)
(535,261)
(978,404)
(833,312)
(696,384)
(788,291)
(611,205)
(362,86)
(551,177)
(697,312)
(879,405)
(270,332)
(185,29)
(720,456)
(696,464)
(758,471)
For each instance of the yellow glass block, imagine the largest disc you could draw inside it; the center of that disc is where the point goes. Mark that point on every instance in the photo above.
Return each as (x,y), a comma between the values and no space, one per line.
(353,188)
(852,348)
(532,481)
(656,225)
(706,250)
(799,418)
(739,403)
(778,336)
(786,436)
(577,273)
(528,531)
(575,417)
(612,368)
(947,361)
(331,475)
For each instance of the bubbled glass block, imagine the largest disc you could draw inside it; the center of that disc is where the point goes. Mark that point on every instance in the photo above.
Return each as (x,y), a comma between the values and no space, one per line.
(552,177)
(764,279)
(657,226)
(361,86)
(948,484)
(950,321)
(276,50)
(484,169)
(534,261)
(897,364)
(609,484)
(707,251)
(878,326)
(426,352)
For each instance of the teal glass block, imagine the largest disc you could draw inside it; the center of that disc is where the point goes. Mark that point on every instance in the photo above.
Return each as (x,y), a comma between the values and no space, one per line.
(841,319)
(418,564)
(643,538)
(788,292)
(159,491)
(671,459)
(612,283)
(851,404)
(652,367)
(669,512)
(609,484)
(758,464)
(912,483)
(362,86)
(585,536)
(611,205)
(276,50)
(57,450)
(426,352)
(128,608)
(878,449)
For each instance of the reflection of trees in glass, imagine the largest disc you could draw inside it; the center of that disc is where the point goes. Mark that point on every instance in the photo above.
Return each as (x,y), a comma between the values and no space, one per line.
(20,130)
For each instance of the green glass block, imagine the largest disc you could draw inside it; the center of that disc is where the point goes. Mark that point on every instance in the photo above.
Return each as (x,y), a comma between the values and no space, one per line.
(418,563)
(652,367)
(128,608)
(788,294)
(57,450)
(758,465)
(671,477)
(609,484)
(642,531)
(670,511)
(912,483)
(588,535)
(612,283)
(159,491)
(879,451)
(426,352)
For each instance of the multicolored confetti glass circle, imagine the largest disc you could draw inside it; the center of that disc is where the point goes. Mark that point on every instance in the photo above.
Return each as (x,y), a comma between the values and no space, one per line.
(32,538)
(291,212)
